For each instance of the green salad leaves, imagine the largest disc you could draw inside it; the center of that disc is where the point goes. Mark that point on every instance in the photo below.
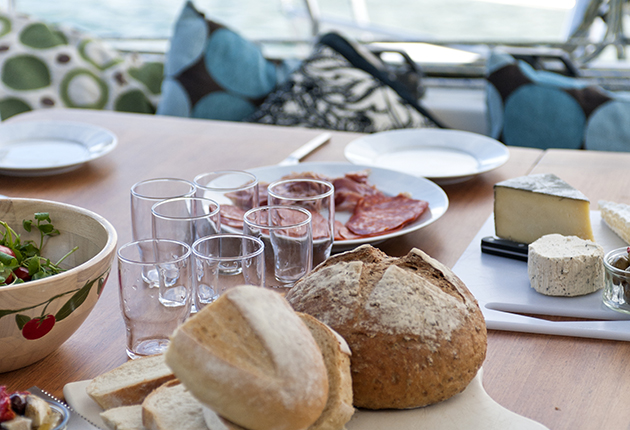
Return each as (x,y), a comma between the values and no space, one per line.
(22,261)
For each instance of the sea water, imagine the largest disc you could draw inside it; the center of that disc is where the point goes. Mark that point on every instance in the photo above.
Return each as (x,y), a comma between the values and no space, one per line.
(450,20)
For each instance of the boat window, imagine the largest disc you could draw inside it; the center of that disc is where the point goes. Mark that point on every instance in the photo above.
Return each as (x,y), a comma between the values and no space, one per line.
(445,20)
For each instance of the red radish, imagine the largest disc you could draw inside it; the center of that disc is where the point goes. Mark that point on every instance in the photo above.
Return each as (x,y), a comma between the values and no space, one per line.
(22,273)
(7,250)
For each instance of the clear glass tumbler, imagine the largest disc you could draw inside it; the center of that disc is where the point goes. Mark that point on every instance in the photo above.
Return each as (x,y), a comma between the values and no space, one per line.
(153,308)
(223,261)
(288,238)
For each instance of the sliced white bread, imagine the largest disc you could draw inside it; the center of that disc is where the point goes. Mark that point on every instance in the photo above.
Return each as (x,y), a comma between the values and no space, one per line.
(336,353)
(124,418)
(617,217)
(129,383)
(249,357)
(171,407)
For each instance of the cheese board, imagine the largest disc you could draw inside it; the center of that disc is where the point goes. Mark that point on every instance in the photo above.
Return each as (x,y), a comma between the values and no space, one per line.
(472,409)
(508,302)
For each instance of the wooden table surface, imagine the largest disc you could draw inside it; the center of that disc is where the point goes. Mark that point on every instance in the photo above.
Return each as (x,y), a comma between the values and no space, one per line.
(561,382)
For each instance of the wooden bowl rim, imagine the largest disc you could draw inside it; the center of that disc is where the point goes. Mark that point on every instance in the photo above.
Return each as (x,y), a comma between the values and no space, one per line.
(110,245)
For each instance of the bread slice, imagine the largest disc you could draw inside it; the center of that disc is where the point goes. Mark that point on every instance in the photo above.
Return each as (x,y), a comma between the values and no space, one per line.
(129,383)
(124,418)
(252,360)
(617,217)
(336,353)
(171,407)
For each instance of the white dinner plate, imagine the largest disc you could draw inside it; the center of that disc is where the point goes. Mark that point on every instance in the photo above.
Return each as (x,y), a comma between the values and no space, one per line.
(444,156)
(40,148)
(388,181)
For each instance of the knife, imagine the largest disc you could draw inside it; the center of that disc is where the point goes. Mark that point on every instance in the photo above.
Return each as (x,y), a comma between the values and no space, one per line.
(304,150)
(504,248)
(75,421)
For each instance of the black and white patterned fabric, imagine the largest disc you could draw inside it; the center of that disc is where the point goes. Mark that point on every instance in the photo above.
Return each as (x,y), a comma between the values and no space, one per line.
(329,92)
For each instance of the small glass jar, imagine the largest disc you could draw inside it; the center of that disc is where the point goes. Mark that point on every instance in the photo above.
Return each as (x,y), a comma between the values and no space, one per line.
(617,282)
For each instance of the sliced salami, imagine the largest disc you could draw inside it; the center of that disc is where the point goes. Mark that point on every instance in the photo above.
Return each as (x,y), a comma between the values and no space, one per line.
(377,214)
(349,190)
(232,216)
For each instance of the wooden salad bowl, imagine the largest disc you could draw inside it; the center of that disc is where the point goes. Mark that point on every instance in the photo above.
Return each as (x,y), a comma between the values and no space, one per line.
(37,316)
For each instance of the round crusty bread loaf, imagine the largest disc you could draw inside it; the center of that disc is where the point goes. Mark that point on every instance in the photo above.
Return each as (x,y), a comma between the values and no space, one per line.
(336,353)
(249,357)
(416,333)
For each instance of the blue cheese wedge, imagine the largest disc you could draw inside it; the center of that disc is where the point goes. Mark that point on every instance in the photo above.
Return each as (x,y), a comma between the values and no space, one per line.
(529,207)
(617,218)
(565,266)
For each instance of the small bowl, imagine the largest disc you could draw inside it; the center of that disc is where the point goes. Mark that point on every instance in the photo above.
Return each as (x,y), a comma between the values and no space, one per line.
(616,293)
(36,317)
(62,412)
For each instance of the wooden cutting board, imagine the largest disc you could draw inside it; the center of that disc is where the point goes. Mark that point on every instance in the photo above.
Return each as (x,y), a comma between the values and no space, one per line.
(472,409)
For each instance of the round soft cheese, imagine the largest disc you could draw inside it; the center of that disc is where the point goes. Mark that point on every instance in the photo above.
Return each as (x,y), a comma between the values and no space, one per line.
(565,265)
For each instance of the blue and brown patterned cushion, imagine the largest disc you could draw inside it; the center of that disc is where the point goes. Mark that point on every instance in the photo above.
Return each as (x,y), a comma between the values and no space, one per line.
(342,86)
(541,109)
(212,72)
(46,66)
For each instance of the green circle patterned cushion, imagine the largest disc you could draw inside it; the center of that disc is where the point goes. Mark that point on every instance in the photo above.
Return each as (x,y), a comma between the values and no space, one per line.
(46,66)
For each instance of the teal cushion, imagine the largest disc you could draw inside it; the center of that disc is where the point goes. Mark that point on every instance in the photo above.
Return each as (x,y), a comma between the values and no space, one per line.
(212,72)
(541,109)
(45,66)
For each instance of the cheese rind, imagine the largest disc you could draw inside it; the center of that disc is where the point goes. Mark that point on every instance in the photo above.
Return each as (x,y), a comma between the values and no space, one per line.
(617,218)
(565,266)
(529,207)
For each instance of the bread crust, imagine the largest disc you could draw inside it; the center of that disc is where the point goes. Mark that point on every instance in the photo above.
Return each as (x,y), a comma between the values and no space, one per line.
(336,353)
(251,359)
(129,383)
(416,332)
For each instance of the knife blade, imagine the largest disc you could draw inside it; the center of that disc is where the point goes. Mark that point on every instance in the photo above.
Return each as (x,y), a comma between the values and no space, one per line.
(76,421)
(304,150)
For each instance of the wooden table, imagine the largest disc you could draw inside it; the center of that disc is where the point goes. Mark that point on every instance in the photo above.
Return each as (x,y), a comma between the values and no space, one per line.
(562,382)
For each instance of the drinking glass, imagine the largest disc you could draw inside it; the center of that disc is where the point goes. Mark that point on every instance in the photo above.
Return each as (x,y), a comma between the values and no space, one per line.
(236,191)
(186,219)
(287,235)
(318,197)
(145,194)
(223,261)
(153,308)
(616,294)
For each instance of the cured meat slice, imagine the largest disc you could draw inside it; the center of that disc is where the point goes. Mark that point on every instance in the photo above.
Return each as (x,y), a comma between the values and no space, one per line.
(342,232)
(359,176)
(377,214)
(232,216)
(319,224)
(350,189)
